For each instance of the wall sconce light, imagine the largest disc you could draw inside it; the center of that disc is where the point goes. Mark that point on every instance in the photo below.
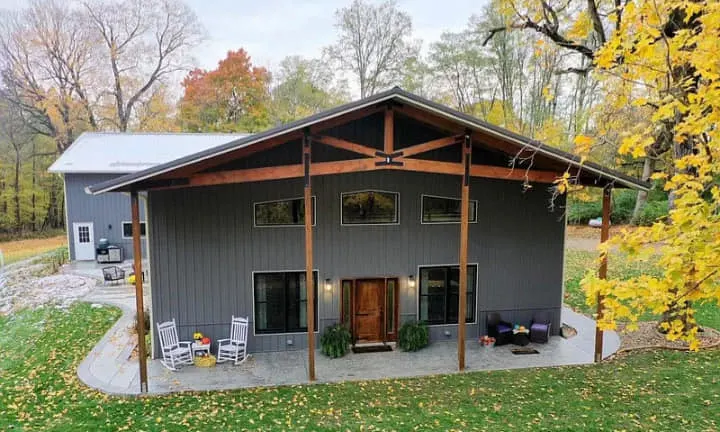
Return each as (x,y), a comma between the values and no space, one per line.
(411,281)
(328,285)
(447,333)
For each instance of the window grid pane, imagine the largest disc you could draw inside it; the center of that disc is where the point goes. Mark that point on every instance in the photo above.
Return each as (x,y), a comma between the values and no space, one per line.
(281,302)
(390,306)
(369,207)
(445,210)
(438,291)
(281,212)
(84,234)
(127,229)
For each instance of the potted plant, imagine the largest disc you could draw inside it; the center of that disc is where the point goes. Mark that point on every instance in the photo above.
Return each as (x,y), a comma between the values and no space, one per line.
(413,336)
(335,341)
(487,341)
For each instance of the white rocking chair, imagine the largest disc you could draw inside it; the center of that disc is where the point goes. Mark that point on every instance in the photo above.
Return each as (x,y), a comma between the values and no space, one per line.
(234,348)
(174,352)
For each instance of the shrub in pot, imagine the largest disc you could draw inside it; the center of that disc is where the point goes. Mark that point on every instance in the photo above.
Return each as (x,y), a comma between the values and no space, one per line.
(335,341)
(413,335)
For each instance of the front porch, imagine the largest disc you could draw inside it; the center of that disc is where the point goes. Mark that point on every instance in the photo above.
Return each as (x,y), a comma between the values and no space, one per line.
(290,368)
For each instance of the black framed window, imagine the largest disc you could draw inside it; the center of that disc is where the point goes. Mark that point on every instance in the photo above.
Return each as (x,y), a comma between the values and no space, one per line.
(281,302)
(287,212)
(437,209)
(438,293)
(127,229)
(370,208)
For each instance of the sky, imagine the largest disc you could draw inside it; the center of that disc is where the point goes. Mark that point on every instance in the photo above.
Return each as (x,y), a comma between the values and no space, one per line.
(270,30)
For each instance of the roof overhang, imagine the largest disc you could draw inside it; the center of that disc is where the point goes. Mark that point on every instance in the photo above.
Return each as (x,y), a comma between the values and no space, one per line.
(134,180)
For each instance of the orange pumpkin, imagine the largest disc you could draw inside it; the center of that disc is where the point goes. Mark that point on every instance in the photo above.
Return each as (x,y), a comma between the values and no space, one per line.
(205,340)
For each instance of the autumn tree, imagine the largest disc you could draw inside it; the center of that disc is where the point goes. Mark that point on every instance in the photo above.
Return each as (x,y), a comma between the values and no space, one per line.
(663,50)
(15,135)
(374,44)
(142,42)
(71,66)
(576,31)
(45,56)
(233,97)
(657,56)
(303,87)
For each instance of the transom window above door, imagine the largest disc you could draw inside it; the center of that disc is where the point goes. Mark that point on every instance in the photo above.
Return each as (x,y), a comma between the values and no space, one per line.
(439,210)
(370,207)
(278,213)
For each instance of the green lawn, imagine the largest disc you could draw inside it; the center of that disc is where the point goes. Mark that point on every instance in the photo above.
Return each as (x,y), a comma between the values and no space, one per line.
(649,391)
(577,263)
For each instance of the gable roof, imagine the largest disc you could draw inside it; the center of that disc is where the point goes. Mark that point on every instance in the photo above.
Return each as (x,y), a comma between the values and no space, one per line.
(122,153)
(395,94)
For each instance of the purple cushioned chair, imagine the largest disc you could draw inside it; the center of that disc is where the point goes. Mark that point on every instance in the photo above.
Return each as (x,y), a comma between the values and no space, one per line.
(501,330)
(540,328)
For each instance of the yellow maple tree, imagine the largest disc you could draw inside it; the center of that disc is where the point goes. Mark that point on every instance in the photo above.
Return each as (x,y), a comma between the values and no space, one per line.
(659,66)
(665,51)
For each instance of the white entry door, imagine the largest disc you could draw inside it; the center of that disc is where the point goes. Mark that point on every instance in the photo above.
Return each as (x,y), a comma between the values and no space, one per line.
(84,240)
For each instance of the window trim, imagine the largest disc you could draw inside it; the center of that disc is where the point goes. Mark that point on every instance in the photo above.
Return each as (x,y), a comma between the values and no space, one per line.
(397,208)
(422,210)
(313,198)
(317,307)
(122,228)
(417,290)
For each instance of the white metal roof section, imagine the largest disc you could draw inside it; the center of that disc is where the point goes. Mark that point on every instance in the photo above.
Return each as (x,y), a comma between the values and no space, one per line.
(122,153)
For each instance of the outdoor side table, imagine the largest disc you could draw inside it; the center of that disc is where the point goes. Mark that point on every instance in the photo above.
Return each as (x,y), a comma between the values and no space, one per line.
(198,348)
(521,337)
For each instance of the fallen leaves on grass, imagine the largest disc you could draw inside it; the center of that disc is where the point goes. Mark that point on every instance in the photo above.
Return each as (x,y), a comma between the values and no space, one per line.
(39,391)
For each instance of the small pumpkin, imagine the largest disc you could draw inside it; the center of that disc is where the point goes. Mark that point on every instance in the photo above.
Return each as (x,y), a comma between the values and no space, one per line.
(206,340)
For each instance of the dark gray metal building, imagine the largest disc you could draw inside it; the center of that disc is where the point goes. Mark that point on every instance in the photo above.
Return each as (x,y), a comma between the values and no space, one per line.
(96,157)
(226,225)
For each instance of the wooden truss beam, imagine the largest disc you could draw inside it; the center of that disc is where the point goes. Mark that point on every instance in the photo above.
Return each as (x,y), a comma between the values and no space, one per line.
(430,145)
(368,164)
(389,131)
(282,172)
(345,145)
(272,142)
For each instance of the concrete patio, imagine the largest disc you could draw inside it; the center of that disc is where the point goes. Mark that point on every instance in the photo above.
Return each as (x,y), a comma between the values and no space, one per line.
(109,369)
(93,269)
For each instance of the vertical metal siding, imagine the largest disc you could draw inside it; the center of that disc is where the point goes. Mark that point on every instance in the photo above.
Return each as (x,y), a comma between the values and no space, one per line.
(103,210)
(205,248)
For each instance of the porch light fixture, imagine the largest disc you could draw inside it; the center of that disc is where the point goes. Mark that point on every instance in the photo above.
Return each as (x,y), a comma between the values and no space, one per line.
(328,285)
(411,281)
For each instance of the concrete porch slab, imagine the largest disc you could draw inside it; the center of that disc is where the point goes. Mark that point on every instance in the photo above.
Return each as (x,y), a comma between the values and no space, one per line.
(108,369)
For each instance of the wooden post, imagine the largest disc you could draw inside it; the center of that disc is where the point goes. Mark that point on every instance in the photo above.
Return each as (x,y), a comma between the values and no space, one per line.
(464,220)
(139,307)
(389,145)
(309,279)
(602,271)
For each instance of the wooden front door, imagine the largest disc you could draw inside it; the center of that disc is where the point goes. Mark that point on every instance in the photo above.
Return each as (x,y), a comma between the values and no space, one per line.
(369,310)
